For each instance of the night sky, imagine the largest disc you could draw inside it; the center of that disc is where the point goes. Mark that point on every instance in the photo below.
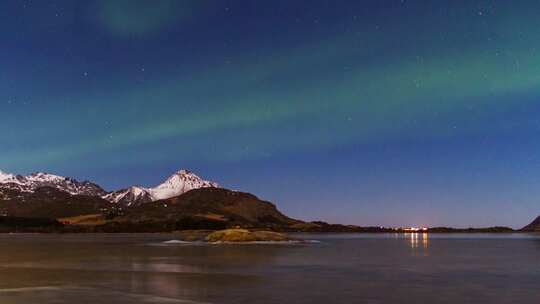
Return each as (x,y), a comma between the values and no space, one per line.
(362,112)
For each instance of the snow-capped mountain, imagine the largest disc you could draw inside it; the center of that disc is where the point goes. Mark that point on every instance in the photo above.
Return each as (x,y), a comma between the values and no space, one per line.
(5,176)
(130,196)
(45,202)
(32,182)
(177,184)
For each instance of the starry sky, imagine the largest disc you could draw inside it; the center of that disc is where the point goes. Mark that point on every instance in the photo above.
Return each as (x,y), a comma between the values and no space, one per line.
(372,112)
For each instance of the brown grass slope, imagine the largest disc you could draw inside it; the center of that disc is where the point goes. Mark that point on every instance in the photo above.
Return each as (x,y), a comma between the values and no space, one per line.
(216,204)
(48,202)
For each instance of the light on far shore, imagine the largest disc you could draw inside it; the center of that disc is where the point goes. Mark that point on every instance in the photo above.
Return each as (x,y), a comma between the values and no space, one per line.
(414,229)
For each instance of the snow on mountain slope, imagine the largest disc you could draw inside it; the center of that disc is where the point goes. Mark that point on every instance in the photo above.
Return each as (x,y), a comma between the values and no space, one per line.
(40,177)
(177,184)
(5,176)
(129,196)
(37,180)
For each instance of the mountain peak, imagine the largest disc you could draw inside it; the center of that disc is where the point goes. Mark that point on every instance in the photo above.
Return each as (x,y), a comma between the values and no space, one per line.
(179,183)
(184,172)
(5,176)
(182,175)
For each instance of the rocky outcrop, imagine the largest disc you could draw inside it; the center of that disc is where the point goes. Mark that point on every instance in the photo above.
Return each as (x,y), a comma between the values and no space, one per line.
(243,236)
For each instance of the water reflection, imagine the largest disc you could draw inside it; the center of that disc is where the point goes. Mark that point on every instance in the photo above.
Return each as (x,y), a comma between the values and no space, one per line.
(418,239)
(345,268)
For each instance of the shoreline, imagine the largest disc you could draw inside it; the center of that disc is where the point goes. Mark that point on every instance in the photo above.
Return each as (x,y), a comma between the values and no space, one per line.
(48,225)
(287,232)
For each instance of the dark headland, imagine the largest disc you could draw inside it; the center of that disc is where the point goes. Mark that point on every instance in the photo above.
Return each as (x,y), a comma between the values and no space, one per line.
(533,227)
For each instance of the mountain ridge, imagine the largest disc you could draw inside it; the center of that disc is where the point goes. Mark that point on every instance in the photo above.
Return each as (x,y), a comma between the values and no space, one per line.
(178,183)
(183,201)
(33,181)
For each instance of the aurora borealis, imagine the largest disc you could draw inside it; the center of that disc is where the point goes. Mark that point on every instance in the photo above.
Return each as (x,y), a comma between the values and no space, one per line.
(364,112)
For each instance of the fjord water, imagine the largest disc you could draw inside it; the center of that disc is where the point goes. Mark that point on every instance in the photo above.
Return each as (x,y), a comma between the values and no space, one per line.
(341,268)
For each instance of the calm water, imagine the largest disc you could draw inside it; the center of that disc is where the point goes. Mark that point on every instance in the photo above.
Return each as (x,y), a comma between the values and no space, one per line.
(342,268)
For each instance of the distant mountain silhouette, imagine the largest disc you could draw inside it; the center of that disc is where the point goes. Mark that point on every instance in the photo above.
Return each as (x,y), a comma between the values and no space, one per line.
(533,227)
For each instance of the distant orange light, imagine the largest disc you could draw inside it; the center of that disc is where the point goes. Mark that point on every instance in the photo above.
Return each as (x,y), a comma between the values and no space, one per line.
(415,229)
